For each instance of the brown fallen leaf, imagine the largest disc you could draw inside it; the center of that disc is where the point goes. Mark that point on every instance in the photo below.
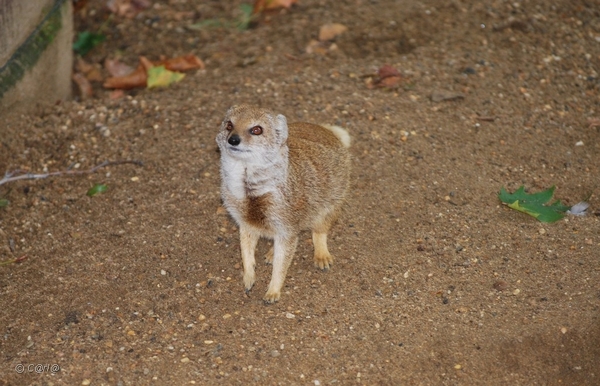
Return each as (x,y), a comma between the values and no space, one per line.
(127,8)
(146,63)
(84,85)
(116,94)
(91,71)
(135,79)
(266,5)
(389,82)
(316,47)
(387,77)
(139,77)
(182,63)
(331,30)
(386,71)
(116,68)
(83,66)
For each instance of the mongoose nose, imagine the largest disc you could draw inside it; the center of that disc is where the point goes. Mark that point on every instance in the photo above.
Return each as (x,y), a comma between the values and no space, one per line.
(234,140)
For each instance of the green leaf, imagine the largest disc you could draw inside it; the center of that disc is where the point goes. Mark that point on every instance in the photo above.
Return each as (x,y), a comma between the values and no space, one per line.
(87,40)
(159,76)
(4,202)
(97,189)
(206,24)
(534,204)
(244,20)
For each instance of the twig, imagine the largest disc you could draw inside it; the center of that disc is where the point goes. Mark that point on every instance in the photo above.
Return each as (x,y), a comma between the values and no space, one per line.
(13,261)
(14,176)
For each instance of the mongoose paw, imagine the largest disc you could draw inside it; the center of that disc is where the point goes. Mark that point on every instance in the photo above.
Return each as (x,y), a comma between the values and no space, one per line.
(269,256)
(323,262)
(248,281)
(271,297)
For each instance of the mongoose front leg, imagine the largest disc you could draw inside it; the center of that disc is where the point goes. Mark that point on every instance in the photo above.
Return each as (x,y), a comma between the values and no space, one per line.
(323,259)
(283,253)
(248,241)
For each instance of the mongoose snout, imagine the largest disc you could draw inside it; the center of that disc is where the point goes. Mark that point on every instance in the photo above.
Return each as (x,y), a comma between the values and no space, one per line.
(234,140)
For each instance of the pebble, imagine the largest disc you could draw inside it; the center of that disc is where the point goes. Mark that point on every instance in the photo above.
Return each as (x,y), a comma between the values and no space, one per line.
(516,292)
(563,330)
(185,360)
(289,315)
(163,272)
(85,382)
(500,285)
(275,353)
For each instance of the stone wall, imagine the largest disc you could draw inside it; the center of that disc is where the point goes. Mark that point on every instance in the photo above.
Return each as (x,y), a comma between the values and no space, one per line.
(36,53)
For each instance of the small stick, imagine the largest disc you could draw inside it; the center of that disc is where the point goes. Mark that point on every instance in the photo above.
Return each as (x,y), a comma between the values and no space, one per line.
(13,176)
(292,57)
(12,261)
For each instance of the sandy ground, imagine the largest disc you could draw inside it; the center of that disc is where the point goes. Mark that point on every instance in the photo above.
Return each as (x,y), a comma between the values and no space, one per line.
(435,281)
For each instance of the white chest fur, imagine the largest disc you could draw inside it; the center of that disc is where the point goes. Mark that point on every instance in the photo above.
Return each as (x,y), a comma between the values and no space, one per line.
(241,179)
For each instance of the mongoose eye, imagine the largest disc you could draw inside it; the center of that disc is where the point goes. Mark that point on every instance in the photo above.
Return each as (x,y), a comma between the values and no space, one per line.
(256,130)
(229,126)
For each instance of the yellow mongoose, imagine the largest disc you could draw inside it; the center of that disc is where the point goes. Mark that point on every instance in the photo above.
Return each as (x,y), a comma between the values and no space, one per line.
(278,179)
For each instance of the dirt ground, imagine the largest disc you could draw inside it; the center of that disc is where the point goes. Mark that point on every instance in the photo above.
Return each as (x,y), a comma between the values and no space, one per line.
(435,282)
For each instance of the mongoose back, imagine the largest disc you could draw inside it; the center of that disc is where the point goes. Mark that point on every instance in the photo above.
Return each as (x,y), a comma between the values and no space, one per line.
(278,179)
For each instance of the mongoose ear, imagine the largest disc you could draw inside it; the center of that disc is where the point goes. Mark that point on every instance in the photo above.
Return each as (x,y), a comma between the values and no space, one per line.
(281,128)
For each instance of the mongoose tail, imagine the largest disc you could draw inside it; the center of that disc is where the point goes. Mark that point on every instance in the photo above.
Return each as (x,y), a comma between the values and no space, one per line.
(341,133)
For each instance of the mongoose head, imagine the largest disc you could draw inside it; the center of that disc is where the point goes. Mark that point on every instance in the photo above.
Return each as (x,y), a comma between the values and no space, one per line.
(250,133)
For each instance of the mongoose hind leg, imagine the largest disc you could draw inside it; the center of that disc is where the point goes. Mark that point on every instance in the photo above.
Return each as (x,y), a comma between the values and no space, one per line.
(269,256)
(283,253)
(248,241)
(323,259)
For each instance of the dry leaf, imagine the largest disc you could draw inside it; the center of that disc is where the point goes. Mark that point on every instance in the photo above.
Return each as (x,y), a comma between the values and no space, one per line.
(139,77)
(182,63)
(331,30)
(265,5)
(116,94)
(91,71)
(83,66)
(84,85)
(116,68)
(387,77)
(389,82)
(386,71)
(135,79)
(315,46)
(127,8)
(146,63)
